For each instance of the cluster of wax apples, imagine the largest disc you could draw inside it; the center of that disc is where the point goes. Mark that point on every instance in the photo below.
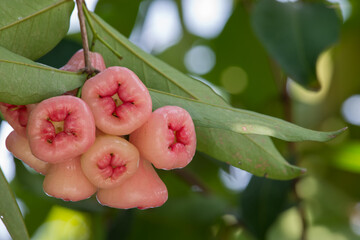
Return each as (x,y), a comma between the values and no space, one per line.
(79,143)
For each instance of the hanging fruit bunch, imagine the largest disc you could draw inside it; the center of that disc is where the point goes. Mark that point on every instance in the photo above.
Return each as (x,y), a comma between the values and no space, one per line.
(81,146)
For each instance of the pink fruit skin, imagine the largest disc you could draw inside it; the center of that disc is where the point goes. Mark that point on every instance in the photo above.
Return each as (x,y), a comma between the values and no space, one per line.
(136,104)
(143,190)
(78,131)
(67,181)
(110,161)
(17,116)
(77,62)
(167,139)
(19,147)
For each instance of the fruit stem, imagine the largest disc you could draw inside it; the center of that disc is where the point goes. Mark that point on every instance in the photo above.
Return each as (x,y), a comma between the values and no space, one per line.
(88,68)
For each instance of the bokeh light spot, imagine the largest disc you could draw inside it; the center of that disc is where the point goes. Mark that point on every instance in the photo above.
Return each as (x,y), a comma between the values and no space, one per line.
(7,164)
(234,79)
(206,18)
(351,110)
(200,59)
(236,180)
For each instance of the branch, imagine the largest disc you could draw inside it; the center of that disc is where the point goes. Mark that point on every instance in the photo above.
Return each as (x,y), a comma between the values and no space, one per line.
(192,180)
(88,68)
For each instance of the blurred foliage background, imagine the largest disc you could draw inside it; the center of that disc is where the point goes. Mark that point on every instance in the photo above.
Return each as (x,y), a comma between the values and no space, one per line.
(215,41)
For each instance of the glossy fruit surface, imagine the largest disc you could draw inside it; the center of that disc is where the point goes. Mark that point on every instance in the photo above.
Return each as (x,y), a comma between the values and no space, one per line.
(67,181)
(110,161)
(167,139)
(119,100)
(60,128)
(19,147)
(143,190)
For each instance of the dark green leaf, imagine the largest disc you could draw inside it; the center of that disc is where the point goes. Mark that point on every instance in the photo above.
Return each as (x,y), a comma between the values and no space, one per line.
(32,28)
(121,14)
(23,81)
(295,33)
(61,54)
(10,213)
(261,203)
(238,48)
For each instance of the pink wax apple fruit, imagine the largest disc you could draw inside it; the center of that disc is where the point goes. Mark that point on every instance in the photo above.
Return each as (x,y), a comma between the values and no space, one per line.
(19,147)
(17,116)
(77,62)
(110,161)
(60,128)
(167,139)
(119,100)
(143,190)
(67,181)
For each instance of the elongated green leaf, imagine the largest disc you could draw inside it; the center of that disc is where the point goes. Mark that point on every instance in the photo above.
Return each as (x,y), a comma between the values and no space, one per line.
(23,81)
(158,75)
(239,121)
(121,14)
(295,33)
(119,51)
(253,153)
(10,213)
(32,28)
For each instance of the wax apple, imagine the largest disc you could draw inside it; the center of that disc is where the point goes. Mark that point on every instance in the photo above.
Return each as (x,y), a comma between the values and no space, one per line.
(110,161)
(19,147)
(167,139)
(143,190)
(66,180)
(17,116)
(77,62)
(60,128)
(119,100)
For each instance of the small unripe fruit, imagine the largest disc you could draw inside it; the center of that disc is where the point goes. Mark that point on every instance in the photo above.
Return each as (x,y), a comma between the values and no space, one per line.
(77,62)
(60,128)
(67,181)
(167,139)
(110,161)
(143,190)
(17,116)
(19,147)
(119,100)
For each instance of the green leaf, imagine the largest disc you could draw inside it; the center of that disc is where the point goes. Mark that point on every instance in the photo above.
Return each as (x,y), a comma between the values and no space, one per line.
(121,14)
(238,120)
(295,33)
(23,81)
(253,153)
(262,202)
(10,213)
(119,51)
(32,28)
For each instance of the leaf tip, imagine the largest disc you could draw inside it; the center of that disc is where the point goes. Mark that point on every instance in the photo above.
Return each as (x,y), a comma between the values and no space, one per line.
(338,132)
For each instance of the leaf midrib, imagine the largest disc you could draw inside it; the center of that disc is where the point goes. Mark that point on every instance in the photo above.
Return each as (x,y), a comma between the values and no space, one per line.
(47,68)
(35,14)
